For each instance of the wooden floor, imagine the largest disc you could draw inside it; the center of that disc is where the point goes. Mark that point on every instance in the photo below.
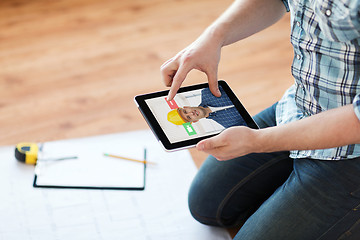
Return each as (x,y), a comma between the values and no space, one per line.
(70,68)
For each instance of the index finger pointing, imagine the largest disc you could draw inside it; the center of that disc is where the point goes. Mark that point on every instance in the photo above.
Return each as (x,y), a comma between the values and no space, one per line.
(168,71)
(177,80)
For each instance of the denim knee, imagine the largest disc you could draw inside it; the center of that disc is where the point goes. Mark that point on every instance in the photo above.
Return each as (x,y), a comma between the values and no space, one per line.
(206,195)
(201,200)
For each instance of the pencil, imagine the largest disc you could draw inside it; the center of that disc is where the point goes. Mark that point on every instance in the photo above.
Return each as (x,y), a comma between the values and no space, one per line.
(130,159)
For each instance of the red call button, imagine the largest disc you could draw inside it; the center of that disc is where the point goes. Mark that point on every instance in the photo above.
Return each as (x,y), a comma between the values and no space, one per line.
(172,104)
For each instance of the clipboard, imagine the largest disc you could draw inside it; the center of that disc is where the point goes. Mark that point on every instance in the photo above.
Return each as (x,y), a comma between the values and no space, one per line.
(91,169)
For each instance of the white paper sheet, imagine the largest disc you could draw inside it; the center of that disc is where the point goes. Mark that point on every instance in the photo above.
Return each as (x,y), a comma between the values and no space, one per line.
(91,168)
(159,212)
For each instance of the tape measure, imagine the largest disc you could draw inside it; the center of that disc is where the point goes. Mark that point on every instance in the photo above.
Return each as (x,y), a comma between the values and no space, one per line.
(27,152)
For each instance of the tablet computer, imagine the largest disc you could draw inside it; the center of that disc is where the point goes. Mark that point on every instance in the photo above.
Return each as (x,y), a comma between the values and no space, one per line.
(193,115)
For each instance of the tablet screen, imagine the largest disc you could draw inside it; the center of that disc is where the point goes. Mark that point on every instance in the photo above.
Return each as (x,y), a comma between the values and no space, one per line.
(194,113)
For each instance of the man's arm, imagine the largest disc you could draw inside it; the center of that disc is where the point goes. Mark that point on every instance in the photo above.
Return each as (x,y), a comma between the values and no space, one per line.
(332,128)
(242,19)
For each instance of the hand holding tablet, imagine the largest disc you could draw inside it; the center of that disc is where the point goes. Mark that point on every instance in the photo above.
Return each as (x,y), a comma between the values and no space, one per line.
(194,114)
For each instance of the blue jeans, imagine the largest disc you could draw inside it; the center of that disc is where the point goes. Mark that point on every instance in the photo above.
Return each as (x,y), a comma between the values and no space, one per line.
(275,197)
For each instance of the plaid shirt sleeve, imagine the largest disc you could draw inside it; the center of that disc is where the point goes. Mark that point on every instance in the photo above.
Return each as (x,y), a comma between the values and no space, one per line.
(285,2)
(356,104)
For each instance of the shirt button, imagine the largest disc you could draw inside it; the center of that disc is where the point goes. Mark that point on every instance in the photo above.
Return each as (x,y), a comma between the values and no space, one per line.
(298,24)
(328,12)
(298,57)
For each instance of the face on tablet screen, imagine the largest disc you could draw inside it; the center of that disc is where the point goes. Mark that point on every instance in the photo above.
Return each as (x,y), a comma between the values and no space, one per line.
(194,114)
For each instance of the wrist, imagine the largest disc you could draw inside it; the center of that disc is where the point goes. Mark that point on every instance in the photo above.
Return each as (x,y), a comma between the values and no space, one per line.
(216,35)
(264,141)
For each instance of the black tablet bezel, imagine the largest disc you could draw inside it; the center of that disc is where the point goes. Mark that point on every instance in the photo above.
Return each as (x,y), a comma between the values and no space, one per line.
(160,134)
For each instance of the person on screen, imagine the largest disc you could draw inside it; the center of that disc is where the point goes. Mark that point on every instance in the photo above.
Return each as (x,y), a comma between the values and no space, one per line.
(219,109)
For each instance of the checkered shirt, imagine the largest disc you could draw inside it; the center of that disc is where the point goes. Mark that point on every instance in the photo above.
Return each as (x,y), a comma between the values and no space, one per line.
(325,35)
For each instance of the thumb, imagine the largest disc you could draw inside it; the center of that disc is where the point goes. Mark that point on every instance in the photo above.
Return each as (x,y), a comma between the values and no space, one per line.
(213,83)
(209,144)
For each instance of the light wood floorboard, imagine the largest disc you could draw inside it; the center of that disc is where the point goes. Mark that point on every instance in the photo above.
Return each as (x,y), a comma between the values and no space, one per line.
(70,69)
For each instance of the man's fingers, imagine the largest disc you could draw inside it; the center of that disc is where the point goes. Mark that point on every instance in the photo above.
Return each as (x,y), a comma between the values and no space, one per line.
(168,71)
(213,83)
(214,148)
(210,144)
(211,147)
(173,74)
(177,80)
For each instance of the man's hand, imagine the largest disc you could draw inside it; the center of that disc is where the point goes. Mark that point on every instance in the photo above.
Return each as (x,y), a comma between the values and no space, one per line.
(328,129)
(203,55)
(232,142)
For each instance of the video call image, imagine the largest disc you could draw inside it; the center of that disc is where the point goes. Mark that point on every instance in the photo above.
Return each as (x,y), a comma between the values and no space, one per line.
(194,114)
